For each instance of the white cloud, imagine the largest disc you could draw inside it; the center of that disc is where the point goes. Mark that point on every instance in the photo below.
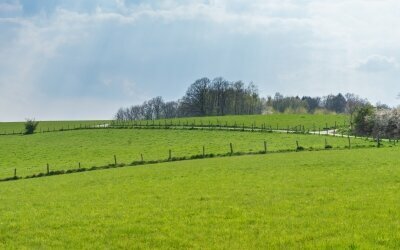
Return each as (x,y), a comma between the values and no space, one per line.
(378,63)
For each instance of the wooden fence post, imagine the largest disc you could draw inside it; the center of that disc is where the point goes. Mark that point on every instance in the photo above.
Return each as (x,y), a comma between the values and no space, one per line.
(326,142)
(48,168)
(204,151)
(297,145)
(15,173)
(79,165)
(348,137)
(265,146)
(115,160)
(231,148)
(334,131)
(141,156)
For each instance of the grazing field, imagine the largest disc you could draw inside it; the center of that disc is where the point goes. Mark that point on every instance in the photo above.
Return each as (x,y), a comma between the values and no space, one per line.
(280,121)
(323,200)
(18,127)
(29,154)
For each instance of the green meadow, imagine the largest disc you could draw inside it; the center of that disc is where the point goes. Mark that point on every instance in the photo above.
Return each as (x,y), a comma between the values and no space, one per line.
(338,199)
(280,121)
(18,127)
(316,198)
(30,154)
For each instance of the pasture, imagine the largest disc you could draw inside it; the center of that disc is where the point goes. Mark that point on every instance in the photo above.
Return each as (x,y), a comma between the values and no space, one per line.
(18,127)
(335,199)
(274,121)
(30,154)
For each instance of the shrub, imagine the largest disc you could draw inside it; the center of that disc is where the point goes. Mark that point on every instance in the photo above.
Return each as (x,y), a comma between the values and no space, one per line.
(30,126)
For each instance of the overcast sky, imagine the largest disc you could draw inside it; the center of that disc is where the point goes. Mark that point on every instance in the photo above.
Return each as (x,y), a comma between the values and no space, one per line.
(83,59)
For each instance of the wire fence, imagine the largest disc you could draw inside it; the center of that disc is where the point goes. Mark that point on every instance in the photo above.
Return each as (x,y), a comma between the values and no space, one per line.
(264,149)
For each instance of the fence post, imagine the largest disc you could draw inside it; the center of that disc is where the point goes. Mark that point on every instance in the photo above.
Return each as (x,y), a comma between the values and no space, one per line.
(79,165)
(231,148)
(326,142)
(170,155)
(334,131)
(115,160)
(265,146)
(297,145)
(141,156)
(48,168)
(15,173)
(348,137)
(204,151)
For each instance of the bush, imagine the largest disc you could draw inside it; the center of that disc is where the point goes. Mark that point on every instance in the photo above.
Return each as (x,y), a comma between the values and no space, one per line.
(30,126)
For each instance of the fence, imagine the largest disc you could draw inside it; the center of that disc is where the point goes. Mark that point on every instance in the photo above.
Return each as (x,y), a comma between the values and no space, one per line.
(170,158)
(233,126)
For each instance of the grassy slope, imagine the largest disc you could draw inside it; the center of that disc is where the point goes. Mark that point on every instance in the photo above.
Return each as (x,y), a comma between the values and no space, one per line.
(63,150)
(282,120)
(329,199)
(18,127)
(309,121)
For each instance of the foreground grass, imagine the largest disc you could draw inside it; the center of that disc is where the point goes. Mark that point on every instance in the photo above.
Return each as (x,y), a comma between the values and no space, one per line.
(64,150)
(322,200)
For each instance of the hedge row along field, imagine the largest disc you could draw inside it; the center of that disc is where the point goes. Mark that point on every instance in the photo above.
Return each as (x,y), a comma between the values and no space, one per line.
(65,150)
(344,199)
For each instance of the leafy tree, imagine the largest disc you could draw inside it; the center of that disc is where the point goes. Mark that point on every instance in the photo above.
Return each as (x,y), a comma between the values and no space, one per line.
(30,126)
(363,122)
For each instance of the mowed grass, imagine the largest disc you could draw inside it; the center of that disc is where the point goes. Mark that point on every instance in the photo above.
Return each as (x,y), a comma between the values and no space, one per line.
(29,154)
(18,127)
(308,200)
(280,121)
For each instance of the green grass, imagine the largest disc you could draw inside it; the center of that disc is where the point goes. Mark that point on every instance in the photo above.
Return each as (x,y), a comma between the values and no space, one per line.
(319,200)
(18,127)
(281,121)
(29,154)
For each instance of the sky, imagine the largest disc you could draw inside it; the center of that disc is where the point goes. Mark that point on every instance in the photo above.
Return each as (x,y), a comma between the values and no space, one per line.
(84,59)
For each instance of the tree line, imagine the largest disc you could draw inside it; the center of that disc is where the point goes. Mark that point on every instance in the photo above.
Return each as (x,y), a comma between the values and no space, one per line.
(219,97)
(204,97)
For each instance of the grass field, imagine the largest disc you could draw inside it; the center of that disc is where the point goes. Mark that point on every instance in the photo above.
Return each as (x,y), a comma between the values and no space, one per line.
(63,150)
(280,121)
(18,127)
(322,200)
